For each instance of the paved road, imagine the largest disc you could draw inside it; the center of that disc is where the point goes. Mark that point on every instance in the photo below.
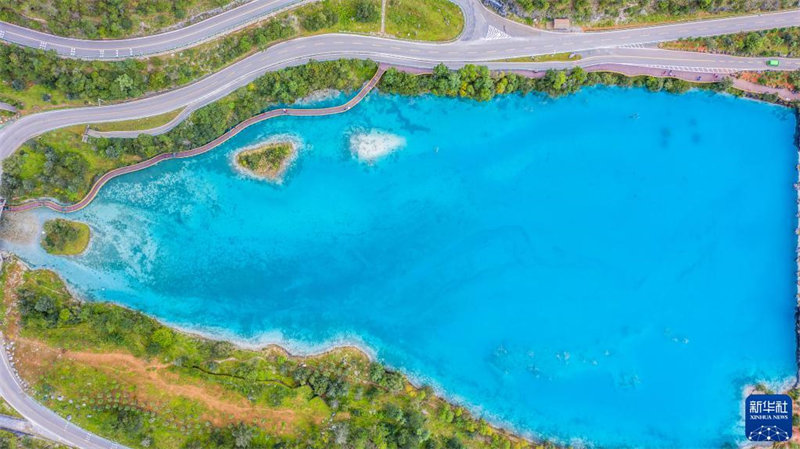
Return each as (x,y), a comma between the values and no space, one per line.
(486,38)
(43,421)
(479,22)
(210,28)
(600,48)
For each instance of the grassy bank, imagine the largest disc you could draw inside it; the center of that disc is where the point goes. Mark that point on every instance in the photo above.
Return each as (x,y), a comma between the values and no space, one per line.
(618,13)
(10,440)
(423,20)
(784,42)
(75,164)
(545,58)
(123,375)
(35,80)
(137,124)
(64,237)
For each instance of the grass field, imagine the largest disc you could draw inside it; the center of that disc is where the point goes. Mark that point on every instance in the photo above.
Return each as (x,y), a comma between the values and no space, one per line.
(6,409)
(546,58)
(9,440)
(127,377)
(137,124)
(36,98)
(424,20)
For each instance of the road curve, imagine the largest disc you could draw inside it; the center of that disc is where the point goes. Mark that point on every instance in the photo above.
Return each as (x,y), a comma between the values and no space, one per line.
(44,421)
(601,48)
(280,112)
(478,20)
(480,23)
(191,35)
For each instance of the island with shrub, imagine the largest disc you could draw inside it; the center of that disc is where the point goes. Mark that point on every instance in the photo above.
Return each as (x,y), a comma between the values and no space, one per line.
(64,237)
(267,161)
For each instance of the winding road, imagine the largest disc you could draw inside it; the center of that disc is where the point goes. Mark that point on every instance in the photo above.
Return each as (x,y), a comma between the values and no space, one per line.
(486,39)
(110,49)
(627,47)
(477,23)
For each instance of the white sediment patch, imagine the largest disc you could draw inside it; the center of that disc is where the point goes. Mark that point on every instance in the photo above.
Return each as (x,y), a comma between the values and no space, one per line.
(375,144)
(21,228)
(317,96)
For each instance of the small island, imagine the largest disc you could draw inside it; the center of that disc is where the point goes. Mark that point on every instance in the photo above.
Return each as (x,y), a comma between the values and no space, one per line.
(268,161)
(64,237)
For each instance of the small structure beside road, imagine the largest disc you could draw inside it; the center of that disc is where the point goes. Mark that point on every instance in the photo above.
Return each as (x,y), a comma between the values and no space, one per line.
(561,24)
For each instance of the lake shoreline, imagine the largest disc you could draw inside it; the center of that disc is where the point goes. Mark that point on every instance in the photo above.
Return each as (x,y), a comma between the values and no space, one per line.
(336,347)
(617,75)
(270,341)
(634,115)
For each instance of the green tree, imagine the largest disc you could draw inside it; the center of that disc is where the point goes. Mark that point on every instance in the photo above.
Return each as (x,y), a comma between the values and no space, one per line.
(366,11)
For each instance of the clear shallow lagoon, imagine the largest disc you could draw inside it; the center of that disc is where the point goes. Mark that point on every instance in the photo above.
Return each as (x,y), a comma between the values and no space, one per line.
(612,267)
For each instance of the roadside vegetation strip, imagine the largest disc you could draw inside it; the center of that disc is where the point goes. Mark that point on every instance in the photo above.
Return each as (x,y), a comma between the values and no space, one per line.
(32,79)
(140,124)
(616,14)
(545,58)
(775,43)
(279,112)
(778,42)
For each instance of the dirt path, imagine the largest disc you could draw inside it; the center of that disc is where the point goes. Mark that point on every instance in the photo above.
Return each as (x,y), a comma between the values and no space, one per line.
(226,406)
(36,358)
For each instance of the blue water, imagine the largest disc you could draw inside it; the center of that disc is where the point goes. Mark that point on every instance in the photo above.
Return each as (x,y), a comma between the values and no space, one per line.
(613,267)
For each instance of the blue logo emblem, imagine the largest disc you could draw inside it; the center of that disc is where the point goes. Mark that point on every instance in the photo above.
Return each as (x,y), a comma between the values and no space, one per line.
(768,417)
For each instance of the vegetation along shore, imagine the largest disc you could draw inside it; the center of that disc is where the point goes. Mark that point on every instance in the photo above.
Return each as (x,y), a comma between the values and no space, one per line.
(125,376)
(60,165)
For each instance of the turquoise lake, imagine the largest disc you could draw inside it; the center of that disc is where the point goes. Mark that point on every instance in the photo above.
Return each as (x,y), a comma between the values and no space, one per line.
(612,268)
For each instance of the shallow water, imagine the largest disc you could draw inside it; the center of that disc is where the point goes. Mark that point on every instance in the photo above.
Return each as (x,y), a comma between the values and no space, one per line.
(612,267)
